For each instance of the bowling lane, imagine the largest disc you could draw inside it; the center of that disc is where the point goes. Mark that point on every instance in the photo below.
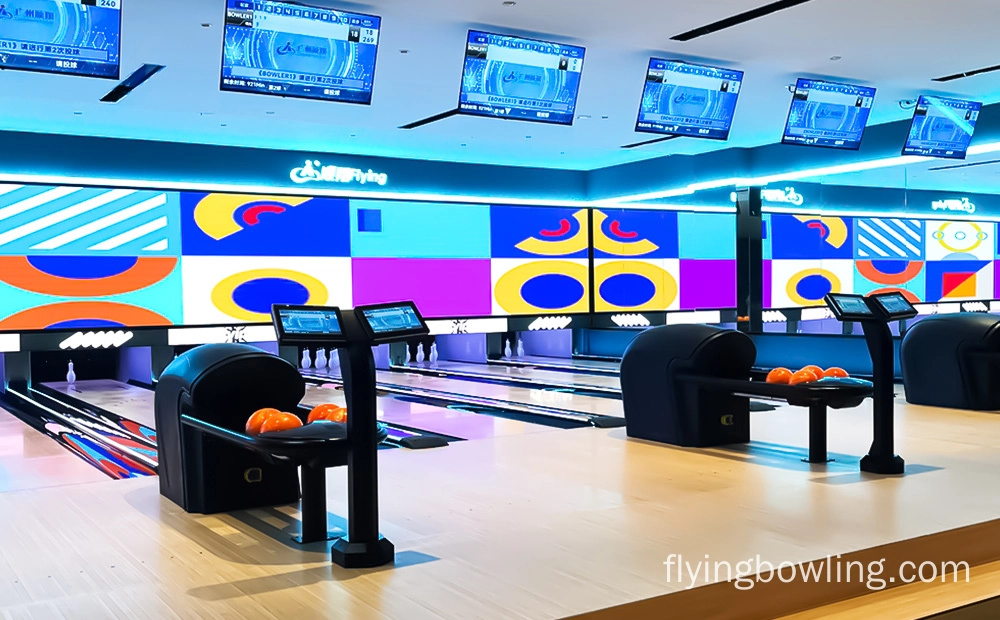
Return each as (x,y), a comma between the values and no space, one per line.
(561,364)
(543,378)
(452,422)
(124,400)
(514,394)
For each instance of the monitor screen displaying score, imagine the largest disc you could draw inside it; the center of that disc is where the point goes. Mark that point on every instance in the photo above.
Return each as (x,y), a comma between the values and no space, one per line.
(75,37)
(291,50)
(302,322)
(682,99)
(942,127)
(828,114)
(523,79)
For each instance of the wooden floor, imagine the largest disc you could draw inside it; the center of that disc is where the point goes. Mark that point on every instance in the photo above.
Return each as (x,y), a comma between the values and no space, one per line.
(537,525)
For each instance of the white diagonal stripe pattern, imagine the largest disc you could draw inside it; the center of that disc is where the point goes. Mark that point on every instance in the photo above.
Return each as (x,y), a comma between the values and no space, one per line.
(874,233)
(874,248)
(101,224)
(36,201)
(6,189)
(898,236)
(132,235)
(61,216)
(159,246)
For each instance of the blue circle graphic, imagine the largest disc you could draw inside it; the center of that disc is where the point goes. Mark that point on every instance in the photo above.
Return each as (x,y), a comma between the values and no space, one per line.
(258,295)
(890,267)
(814,287)
(86,324)
(82,267)
(551,291)
(628,290)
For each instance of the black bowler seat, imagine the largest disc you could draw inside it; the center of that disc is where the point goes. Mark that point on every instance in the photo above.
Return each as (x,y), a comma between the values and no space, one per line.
(661,406)
(953,361)
(223,384)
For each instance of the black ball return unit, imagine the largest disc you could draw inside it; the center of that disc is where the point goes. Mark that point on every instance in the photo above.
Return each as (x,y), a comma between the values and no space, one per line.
(207,462)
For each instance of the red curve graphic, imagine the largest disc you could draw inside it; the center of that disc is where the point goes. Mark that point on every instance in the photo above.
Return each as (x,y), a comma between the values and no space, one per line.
(252,215)
(616,228)
(564,227)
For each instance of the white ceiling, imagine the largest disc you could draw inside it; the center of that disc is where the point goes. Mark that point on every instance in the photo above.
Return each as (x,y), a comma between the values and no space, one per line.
(892,44)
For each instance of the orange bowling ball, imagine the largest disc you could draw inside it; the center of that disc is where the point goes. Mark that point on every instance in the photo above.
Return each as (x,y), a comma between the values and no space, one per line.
(836,373)
(257,420)
(816,370)
(280,422)
(779,375)
(802,376)
(326,412)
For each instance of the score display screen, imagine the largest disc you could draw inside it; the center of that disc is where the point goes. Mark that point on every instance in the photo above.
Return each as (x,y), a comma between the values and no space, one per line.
(895,304)
(290,50)
(942,127)
(849,307)
(76,37)
(516,78)
(392,319)
(310,322)
(689,100)
(828,114)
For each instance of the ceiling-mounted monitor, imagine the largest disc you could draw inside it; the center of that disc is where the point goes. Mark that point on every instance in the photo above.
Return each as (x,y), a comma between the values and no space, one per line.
(942,127)
(682,99)
(828,114)
(521,79)
(293,50)
(76,37)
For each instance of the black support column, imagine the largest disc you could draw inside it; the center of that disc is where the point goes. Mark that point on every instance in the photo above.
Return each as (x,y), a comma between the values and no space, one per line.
(749,260)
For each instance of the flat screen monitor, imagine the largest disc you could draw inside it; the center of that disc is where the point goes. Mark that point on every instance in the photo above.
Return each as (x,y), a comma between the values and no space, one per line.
(76,37)
(828,114)
(292,50)
(308,324)
(523,79)
(849,308)
(942,127)
(894,306)
(682,99)
(393,321)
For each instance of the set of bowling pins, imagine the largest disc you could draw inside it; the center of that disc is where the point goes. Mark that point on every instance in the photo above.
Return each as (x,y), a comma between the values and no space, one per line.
(421,357)
(507,352)
(322,361)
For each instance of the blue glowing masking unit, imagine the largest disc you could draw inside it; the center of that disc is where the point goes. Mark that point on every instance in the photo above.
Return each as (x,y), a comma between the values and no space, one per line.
(75,37)
(522,79)
(942,127)
(292,50)
(828,114)
(683,99)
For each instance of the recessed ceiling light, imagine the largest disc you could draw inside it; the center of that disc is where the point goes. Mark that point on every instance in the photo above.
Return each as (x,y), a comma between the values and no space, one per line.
(206,25)
(528,137)
(269,113)
(223,125)
(605,117)
(354,135)
(509,3)
(207,113)
(835,57)
(78,113)
(404,51)
(583,117)
(464,144)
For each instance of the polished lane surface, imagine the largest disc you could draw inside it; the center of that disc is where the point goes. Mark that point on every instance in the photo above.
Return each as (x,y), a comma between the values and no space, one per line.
(544,378)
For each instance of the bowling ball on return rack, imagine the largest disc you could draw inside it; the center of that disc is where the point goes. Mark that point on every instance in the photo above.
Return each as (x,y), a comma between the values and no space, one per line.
(328,412)
(816,370)
(779,375)
(835,373)
(803,376)
(281,422)
(257,420)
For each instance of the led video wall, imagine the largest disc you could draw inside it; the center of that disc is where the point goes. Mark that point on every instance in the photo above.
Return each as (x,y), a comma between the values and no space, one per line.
(807,256)
(75,257)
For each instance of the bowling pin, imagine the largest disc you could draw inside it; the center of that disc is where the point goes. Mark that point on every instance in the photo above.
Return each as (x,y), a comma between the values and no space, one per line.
(434,353)
(408,358)
(321,358)
(306,360)
(334,359)
(506,350)
(71,375)
(420,353)
(520,348)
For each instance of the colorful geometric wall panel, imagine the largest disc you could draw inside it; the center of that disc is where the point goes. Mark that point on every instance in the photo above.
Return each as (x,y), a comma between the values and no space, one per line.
(960,241)
(706,236)
(552,286)
(884,238)
(77,221)
(247,225)
(804,237)
(636,285)
(633,233)
(525,232)
(996,281)
(41,292)
(804,283)
(707,284)
(242,288)
(958,280)
(440,287)
(419,230)
(884,276)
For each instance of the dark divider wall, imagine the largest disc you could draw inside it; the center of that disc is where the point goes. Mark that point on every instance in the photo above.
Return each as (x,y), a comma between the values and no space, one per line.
(88,364)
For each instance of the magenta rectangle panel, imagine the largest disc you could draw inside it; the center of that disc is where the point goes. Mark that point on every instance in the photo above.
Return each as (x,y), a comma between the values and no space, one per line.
(708,284)
(440,287)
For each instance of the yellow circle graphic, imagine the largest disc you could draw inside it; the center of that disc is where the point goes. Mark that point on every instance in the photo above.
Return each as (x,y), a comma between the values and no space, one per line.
(665,283)
(508,288)
(942,237)
(222,294)
(793,283)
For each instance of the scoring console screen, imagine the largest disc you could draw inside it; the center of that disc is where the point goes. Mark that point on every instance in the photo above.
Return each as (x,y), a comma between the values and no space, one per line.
(394,319)
(828,114)
(304,322)
(285,49)
(689,100)
(512,77)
